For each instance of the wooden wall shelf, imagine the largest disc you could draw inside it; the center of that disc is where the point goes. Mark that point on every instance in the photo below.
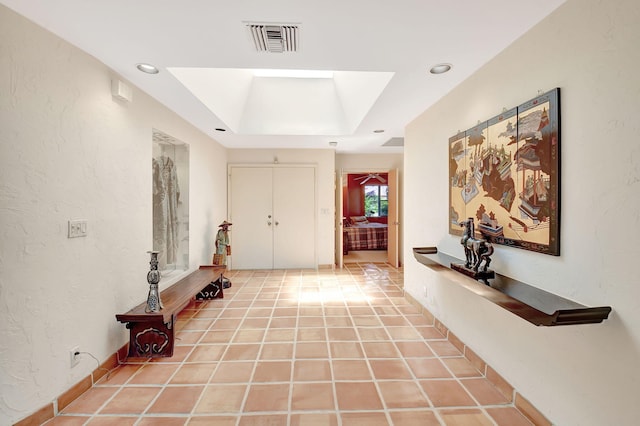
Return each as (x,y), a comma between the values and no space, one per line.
(535,305)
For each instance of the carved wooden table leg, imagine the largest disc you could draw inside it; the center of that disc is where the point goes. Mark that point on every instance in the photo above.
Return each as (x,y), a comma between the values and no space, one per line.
(151,339)
(213,290)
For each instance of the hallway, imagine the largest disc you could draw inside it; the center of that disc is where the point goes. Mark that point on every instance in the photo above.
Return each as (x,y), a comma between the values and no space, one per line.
(301,347)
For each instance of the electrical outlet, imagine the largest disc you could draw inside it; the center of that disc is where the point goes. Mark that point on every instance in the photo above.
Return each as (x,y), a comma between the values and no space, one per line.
(77,228)
(74,356)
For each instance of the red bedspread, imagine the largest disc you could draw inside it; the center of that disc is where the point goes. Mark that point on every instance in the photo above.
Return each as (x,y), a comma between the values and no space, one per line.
(372,236)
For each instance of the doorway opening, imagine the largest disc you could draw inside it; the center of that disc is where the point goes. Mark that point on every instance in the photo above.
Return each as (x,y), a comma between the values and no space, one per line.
(367,229)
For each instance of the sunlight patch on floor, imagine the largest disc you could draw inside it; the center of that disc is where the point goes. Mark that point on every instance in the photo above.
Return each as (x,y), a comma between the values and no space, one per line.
(331,295)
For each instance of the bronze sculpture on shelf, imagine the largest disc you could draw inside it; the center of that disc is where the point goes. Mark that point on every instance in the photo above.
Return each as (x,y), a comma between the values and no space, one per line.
(477,251)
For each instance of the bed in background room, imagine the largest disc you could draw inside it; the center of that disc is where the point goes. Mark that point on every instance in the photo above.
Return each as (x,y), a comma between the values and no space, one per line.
(364,235)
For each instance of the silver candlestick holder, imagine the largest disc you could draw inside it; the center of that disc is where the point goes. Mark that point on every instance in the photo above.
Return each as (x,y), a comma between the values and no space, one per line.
(154,304)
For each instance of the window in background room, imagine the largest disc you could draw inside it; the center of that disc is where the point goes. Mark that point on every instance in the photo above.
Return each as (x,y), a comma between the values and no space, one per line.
(376,200)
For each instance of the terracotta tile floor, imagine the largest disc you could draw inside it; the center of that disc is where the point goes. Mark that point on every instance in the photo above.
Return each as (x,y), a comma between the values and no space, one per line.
(301,347)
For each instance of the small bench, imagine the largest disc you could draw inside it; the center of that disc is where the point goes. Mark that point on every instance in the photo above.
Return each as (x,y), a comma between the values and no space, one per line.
(151,334)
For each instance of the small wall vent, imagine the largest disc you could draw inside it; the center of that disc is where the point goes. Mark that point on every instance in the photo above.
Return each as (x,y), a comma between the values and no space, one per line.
(274,38)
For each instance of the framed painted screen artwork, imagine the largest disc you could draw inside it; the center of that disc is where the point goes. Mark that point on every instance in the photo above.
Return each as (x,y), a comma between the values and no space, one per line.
(505,173)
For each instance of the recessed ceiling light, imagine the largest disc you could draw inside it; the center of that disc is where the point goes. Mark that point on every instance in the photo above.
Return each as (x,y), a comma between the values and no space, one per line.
(149,69)
(378,131)
(440,68)
(333,143)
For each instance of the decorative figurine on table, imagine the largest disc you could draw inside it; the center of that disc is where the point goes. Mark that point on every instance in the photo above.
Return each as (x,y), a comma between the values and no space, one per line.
(223,249)
(154,304)
(215,289)
(477,251)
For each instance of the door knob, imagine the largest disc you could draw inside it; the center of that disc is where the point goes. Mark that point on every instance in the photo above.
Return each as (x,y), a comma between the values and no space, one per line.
(277,223)
(269,223)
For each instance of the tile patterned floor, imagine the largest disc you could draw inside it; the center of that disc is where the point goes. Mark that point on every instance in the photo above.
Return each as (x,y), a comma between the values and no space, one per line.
(301,347)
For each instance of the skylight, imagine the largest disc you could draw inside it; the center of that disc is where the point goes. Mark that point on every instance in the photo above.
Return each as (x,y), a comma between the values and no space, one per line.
(292,73)
(296,102)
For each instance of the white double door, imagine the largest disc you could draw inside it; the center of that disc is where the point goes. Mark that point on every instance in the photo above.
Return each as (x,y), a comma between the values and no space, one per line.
(273,214)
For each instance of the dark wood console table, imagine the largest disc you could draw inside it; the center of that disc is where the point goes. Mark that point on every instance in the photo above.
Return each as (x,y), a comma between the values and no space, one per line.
(535,305)
(151,334)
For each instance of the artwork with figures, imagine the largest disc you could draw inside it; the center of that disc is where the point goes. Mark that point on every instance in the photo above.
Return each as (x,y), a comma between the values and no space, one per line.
(505,173)
(170,177)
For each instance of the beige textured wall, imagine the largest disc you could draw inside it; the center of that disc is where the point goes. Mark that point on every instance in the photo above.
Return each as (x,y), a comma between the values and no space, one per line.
(576,375)
(70,151)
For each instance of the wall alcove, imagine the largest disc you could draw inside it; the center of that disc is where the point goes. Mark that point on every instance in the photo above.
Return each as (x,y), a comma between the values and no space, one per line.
(535,305)
(170,174)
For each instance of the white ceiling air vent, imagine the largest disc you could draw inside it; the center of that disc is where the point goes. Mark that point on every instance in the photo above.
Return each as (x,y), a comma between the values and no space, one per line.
(275,38)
